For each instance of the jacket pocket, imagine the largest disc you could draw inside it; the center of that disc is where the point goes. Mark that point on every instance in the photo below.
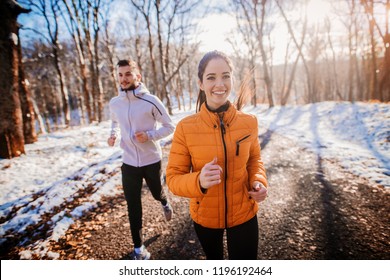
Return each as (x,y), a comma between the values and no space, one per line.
(238,142)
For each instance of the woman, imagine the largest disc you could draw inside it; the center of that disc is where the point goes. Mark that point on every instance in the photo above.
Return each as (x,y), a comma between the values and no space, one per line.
(215,160)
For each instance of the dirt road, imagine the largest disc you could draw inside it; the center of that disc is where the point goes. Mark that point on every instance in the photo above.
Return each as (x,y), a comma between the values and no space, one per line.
(315,210)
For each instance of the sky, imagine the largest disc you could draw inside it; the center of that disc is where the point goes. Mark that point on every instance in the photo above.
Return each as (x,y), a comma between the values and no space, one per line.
(212,29)
(216,27)
(65,162)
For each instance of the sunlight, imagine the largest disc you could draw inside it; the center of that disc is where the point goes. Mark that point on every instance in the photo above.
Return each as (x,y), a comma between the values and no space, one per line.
(318,10)
(213,32)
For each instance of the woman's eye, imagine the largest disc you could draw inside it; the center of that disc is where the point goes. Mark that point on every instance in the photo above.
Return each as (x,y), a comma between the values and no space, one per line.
(211,78)
(226,77)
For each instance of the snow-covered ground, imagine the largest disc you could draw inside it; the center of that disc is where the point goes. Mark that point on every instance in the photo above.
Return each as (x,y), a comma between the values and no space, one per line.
(357,135)
(60,165)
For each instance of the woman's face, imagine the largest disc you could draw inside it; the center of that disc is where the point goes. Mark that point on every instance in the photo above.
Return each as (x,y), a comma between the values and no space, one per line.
(217,82)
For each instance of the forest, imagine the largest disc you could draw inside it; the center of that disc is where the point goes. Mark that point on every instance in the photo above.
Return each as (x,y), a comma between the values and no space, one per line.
(58,57)
(319,76)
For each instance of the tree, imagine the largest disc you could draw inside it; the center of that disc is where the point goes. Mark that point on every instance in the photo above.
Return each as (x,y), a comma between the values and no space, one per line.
(11,116)
(49,10)
(145,10)
(369,7)
(170,17)
(255,13)
(110,53)
(286,90)
(250,43)
(380,72)
(26,103)
(73,22)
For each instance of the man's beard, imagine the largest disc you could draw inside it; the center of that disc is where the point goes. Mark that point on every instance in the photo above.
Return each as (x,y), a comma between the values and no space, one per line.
(133,86)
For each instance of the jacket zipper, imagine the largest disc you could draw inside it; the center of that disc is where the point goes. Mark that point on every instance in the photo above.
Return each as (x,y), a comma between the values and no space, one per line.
(238,144)
(223,131)
(130,136)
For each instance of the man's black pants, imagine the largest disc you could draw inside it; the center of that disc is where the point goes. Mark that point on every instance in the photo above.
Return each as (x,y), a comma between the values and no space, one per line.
(132,178)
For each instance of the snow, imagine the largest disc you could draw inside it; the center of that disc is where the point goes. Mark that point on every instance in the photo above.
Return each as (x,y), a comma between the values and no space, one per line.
(357,135)
(62,165)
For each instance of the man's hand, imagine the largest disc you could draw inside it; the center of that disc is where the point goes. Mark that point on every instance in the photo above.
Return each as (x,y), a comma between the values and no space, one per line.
(259,192)
(210,174)
(111,141)
(141,136)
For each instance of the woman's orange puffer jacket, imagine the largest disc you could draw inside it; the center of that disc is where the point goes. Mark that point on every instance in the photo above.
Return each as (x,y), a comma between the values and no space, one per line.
(233,139)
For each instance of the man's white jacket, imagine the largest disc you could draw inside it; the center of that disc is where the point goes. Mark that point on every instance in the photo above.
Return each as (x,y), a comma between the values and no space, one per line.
(134,111)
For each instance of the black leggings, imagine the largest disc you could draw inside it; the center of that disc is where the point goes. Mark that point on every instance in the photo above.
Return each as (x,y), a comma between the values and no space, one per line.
(242,241)
(132,184)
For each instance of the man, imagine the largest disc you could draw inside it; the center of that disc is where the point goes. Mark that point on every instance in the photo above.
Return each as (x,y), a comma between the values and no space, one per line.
(136,112)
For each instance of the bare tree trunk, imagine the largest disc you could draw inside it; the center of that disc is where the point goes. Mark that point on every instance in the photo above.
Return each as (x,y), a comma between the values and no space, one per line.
(53,33)
(11,125)
(287,92)
(164,92)
(379,89)
(63,89)
(336,92)
(96,28)
(256,27)
(180,90)
(145,11)
(260,29)
(110,57)
(137,46)
(351,53)
(283,90)
(30,135)
(190,92)
(384,84)
(315,48)
(39,118)
(176,89)
(373,88)
(246,30)
(153,62)
(49,11)
(299,47)
(359,81)
(74,28)
(254,84)
(41,94)
(84,21)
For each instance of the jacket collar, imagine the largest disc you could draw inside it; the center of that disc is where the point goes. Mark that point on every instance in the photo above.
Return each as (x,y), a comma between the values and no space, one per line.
(139,91)
(212,119)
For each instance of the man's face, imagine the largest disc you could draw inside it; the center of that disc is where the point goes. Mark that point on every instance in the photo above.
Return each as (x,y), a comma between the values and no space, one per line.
(127,78)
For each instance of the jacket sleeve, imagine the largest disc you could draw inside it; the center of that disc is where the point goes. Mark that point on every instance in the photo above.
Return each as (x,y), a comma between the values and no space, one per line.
(161,115)
(255,165)
(115,130)
(180,180)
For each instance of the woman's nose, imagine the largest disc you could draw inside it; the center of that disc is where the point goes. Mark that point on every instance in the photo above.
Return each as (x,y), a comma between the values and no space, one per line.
(219,83)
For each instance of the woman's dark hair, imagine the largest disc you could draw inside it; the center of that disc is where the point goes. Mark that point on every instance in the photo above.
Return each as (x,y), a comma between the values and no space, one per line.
(243,93)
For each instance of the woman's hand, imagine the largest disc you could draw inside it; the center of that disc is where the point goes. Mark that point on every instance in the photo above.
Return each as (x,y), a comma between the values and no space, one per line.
(210,174)
(259,192)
